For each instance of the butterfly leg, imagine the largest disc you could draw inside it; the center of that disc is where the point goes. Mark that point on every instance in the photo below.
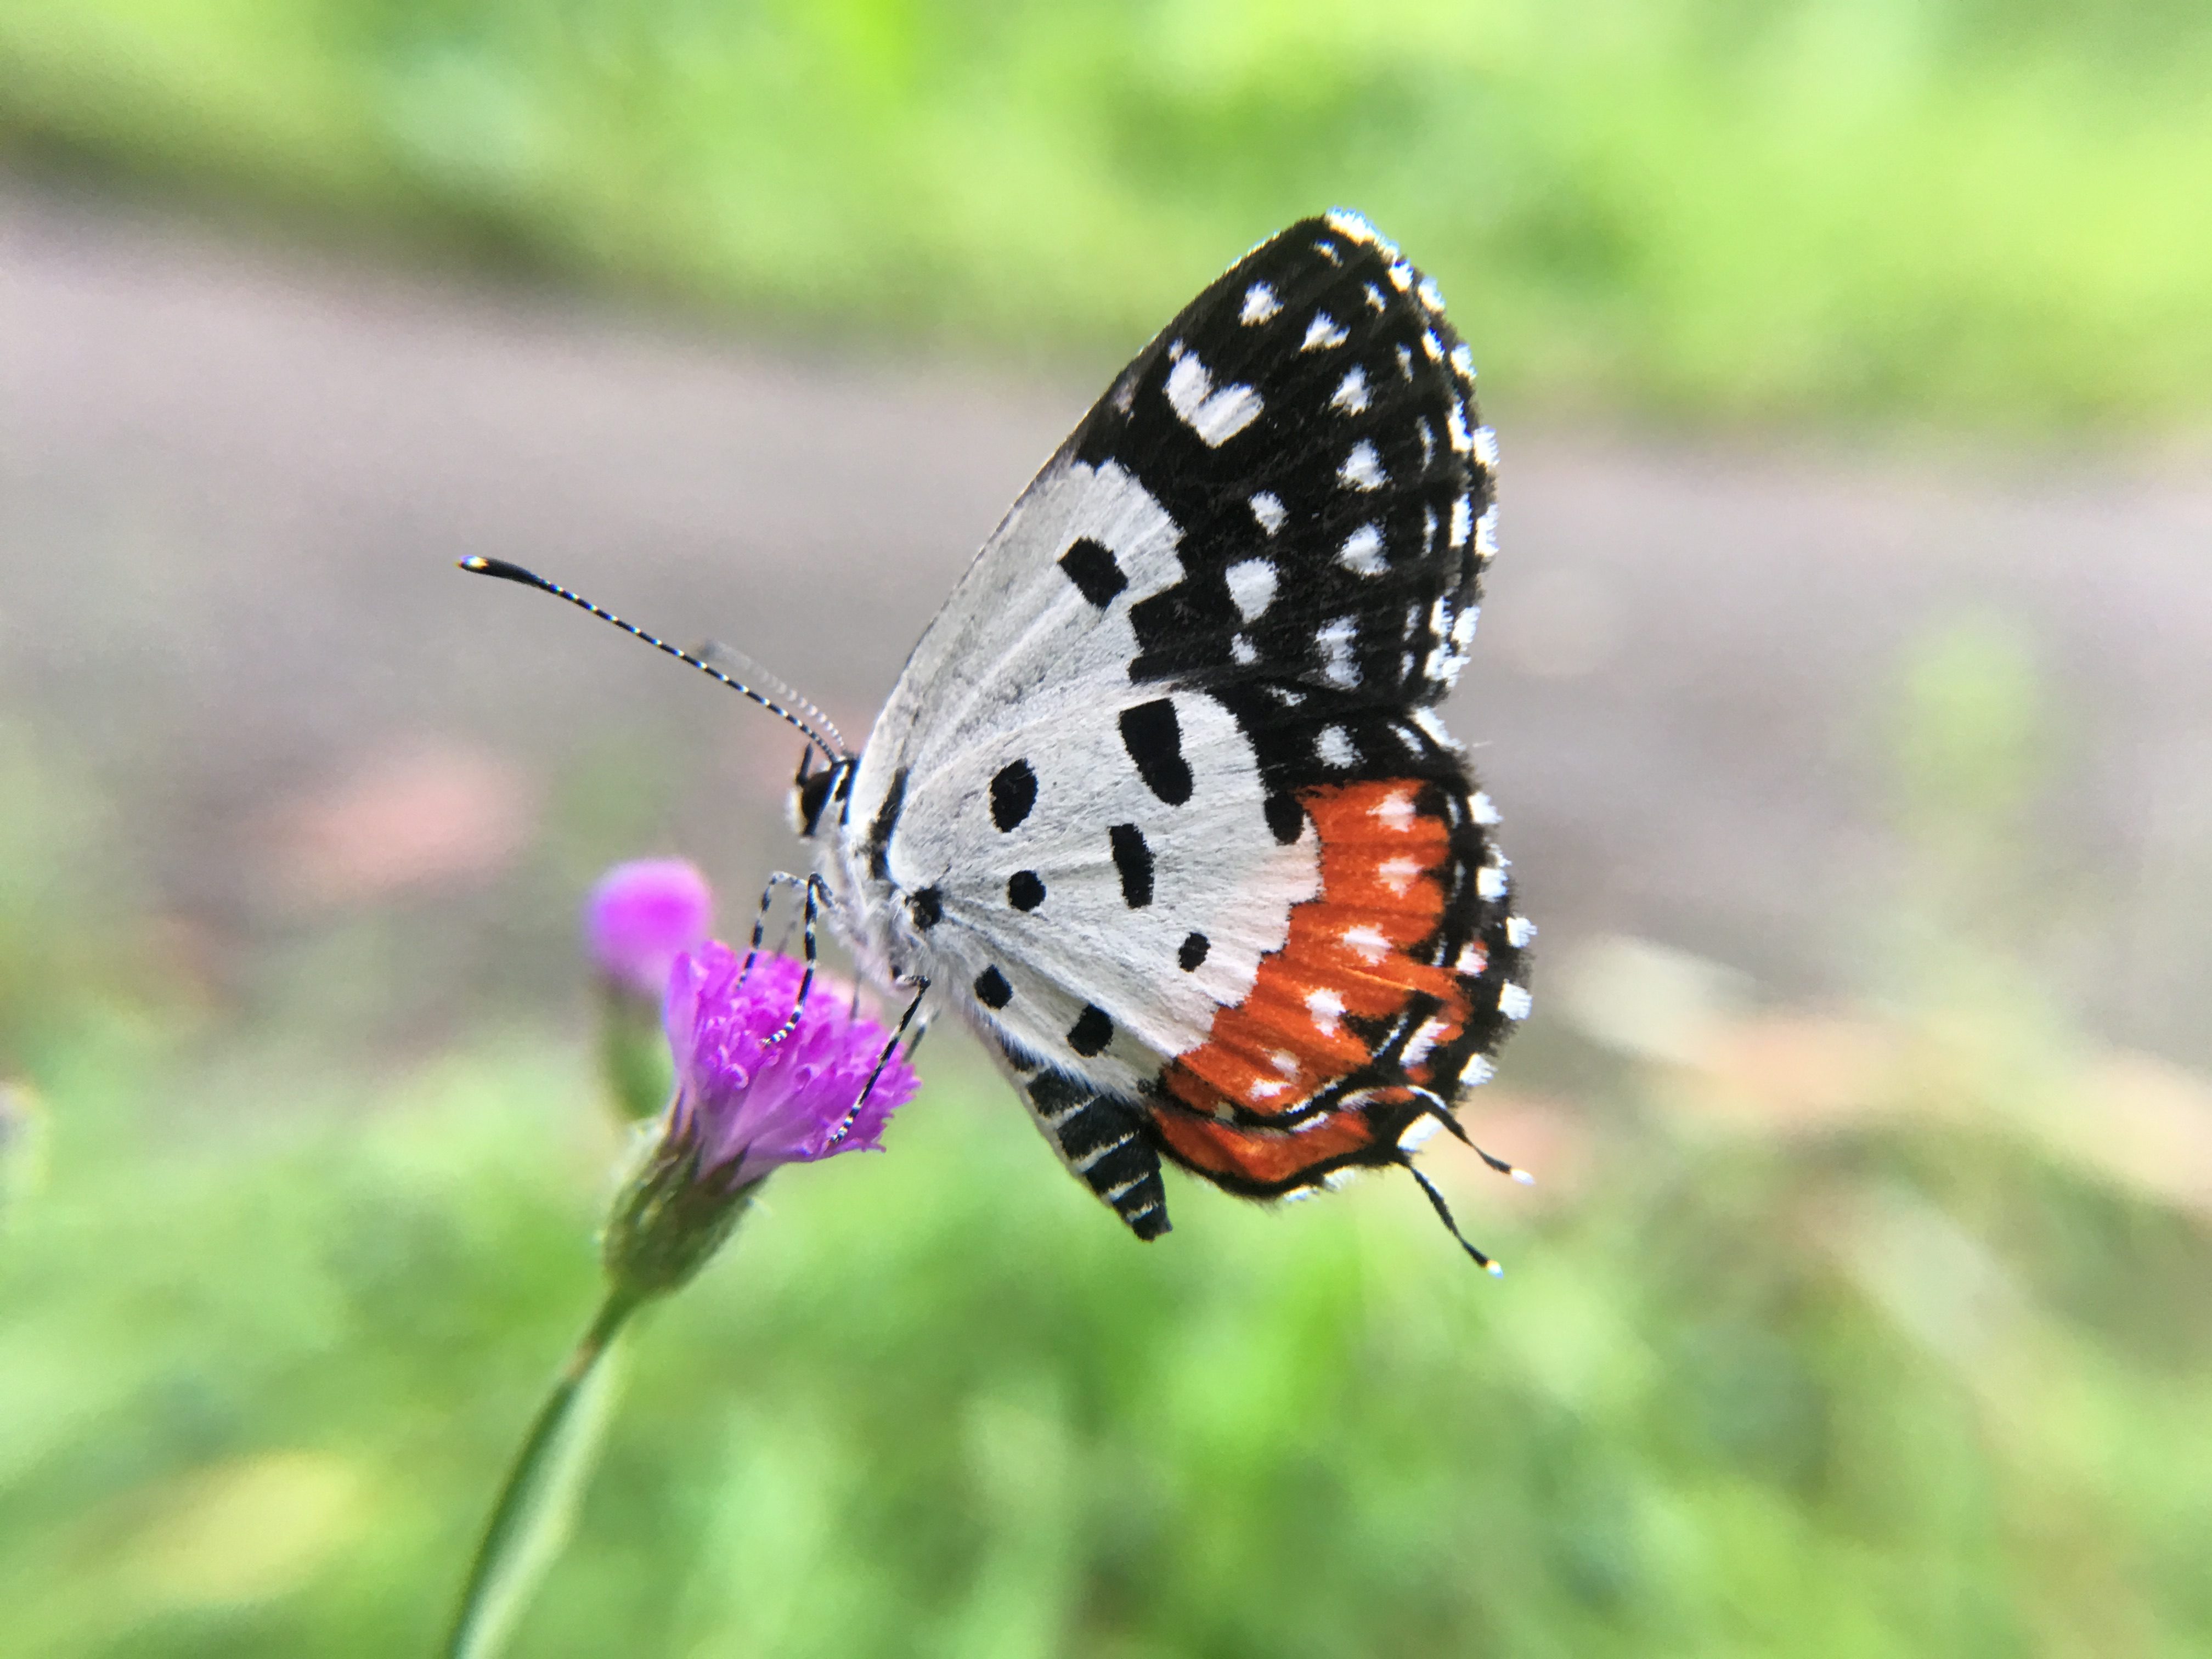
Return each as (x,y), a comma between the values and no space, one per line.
(813,886)
(777,879)
(852,1113)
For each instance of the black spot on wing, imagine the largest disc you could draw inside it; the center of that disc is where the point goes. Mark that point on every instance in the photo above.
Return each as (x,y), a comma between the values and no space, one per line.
(1092,1030)
(1132,859)
(927,908)
(1194,951)
(1287,819)
(879,832)
(1153,736)
(1094,570)
(991,989)
(1025,889)
(1013,792)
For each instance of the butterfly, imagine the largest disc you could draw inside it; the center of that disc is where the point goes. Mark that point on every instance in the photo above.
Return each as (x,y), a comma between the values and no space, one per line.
(1161,805)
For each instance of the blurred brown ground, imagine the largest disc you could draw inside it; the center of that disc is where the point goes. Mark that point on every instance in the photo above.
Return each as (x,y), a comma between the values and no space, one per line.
(233,480)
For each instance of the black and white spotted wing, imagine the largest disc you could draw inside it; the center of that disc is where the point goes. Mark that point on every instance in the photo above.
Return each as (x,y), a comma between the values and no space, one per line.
(1091,813)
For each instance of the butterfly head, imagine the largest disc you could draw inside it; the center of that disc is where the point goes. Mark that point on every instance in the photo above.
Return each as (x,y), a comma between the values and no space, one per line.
(813,792)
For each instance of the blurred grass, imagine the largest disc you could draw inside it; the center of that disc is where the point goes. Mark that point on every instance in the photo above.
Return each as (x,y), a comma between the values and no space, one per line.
(1832,1333)
(1935,211)
(1915,1383)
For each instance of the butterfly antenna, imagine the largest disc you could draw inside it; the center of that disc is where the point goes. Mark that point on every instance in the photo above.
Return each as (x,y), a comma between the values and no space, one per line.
(832,747)
(728,659)
(1444,1215)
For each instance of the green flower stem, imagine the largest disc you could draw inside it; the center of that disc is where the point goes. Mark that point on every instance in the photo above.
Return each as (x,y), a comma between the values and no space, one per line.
(530,1523)
(633,1055)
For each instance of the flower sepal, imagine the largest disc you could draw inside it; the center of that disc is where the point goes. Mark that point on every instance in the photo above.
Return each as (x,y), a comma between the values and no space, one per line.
(670,1216)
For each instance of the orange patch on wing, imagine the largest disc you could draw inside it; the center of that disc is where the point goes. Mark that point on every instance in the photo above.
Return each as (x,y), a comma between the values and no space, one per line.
(1346,956)
(1266,1156)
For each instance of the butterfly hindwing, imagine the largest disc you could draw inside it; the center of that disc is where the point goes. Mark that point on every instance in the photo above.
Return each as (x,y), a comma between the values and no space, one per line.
(1160,802)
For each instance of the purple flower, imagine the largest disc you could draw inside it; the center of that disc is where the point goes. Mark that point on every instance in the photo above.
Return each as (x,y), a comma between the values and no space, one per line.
(745,1106)
(750,1105)
(642,916)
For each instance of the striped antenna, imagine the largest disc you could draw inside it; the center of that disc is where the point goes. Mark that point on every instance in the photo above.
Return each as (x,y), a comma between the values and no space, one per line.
(832,746)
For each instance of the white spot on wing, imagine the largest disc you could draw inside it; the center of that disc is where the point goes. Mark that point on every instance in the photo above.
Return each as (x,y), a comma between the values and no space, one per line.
(1365,941)
(1417,1134)
(1351,391)
(1432,296)
(1519,930)
(1326,1007)
(1362,468)
(1356,226)
(1251,585)
(1362,552)
(1322,333)
(1423,1042)
(1335,748)
(1462,518)
(1267,508)
(1430,722)
(1285,1061)
(1243,651)
(1216,417)
(1401,275)
(1259,304)
(1486,447)
(1485,534)
(1463,361)
(1514,1001)
(1490,882)
(1481,808)
(1461,439)
(1375,299)
(1398,873)
(1335,639)
(1472,958)
(1432,345)
(1394,811)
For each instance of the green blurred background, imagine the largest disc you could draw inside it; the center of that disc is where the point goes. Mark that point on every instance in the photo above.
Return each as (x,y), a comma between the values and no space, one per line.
(1951,210)
(1860,1309)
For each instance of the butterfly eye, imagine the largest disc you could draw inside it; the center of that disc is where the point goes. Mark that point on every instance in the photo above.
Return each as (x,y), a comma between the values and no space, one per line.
(809,795)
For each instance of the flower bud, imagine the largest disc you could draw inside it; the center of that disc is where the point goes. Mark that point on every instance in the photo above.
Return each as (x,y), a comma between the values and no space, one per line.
(642,915)
(639,918)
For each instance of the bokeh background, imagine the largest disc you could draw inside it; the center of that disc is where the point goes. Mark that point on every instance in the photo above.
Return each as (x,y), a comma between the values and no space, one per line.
(1843,680)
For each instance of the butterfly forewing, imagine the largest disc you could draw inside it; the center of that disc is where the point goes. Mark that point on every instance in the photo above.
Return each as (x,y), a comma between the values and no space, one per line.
(1161,802)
